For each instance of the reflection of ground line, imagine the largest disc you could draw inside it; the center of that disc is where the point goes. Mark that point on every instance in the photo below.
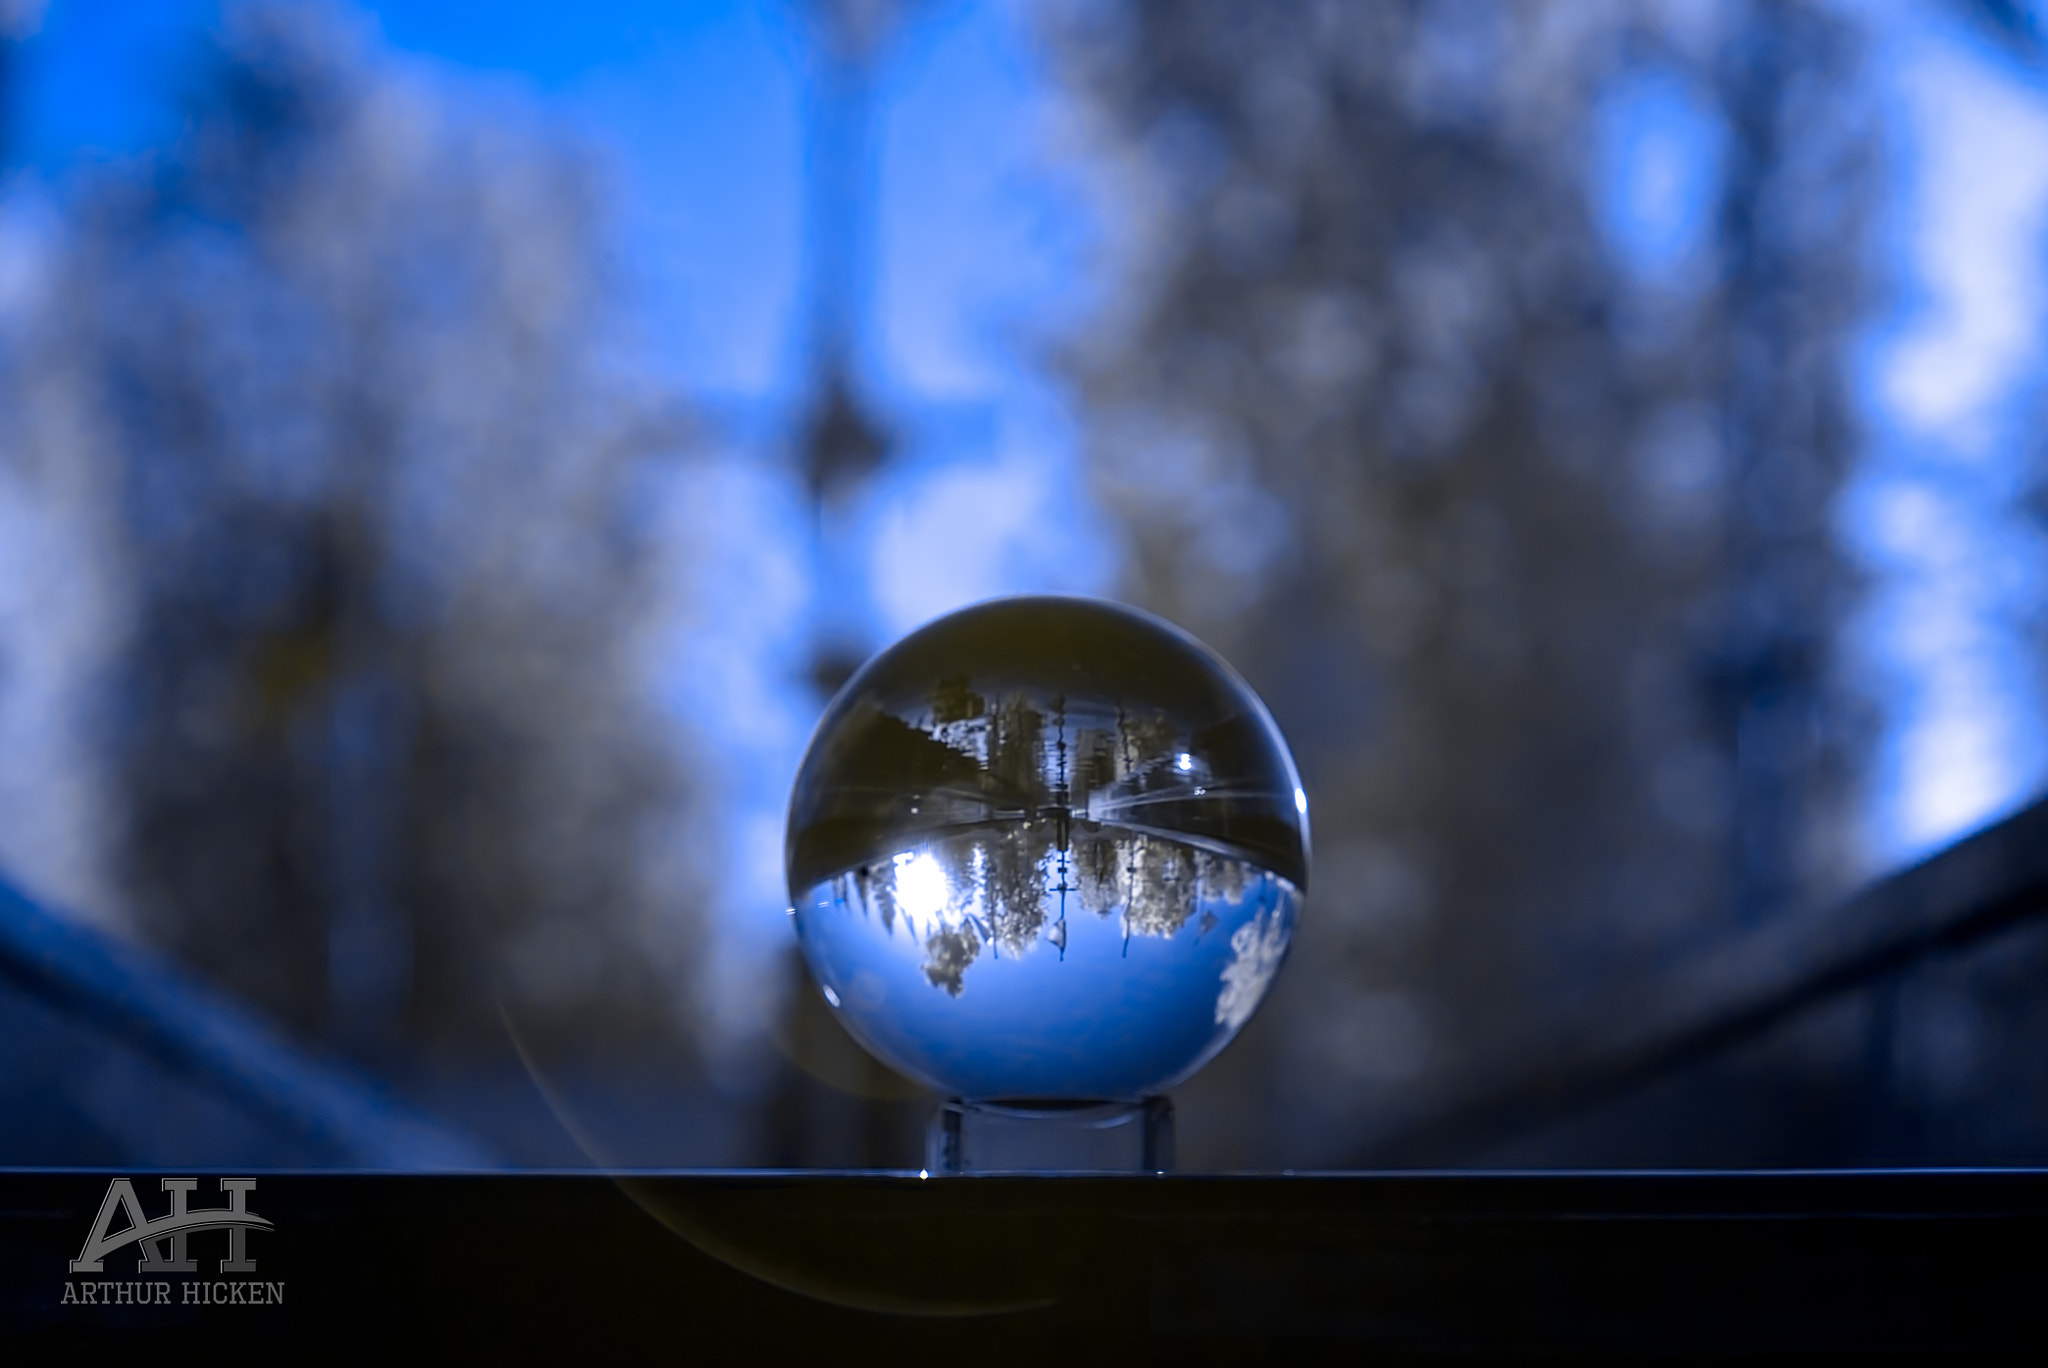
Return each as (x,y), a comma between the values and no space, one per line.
(1095,812)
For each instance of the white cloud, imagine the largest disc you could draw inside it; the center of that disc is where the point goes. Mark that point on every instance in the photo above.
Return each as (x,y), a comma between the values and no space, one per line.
(1978,231)
(973,530)
(1956,570)
(1964,743)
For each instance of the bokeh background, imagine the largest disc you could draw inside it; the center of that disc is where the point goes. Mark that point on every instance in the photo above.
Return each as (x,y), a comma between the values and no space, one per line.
(449,452)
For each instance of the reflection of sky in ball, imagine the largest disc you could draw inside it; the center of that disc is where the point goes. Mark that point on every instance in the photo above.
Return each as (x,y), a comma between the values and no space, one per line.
(1108,1014)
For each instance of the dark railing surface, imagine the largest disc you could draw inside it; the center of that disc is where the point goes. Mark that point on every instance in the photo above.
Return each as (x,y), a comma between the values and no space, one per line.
(843,1267)
(72,999)
(1990,884)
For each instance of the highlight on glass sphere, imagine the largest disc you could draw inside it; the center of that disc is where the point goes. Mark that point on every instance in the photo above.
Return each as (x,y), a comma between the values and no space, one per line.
(1046,849)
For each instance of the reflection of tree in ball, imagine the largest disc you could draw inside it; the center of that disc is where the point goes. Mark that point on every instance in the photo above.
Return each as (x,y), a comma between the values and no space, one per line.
(1047,848)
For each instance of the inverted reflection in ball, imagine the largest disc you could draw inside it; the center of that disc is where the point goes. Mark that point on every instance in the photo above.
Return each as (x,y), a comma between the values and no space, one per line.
(1046,849)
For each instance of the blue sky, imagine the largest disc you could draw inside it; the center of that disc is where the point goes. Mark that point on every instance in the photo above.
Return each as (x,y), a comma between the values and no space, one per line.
(701,110)
(980,242)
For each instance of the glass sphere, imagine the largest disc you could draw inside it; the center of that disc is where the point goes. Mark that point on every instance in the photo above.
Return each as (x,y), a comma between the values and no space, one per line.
(1046,849)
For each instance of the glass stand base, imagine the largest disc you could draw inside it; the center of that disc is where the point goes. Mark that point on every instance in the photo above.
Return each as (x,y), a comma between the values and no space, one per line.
(1050,1137)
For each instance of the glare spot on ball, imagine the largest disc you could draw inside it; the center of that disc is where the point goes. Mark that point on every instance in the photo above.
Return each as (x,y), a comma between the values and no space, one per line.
(920,885)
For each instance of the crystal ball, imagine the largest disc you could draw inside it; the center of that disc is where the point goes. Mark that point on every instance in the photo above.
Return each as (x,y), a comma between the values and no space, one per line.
(1046,849)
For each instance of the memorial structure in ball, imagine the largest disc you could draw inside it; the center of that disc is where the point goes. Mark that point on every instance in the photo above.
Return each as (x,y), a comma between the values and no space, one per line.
(1047,853)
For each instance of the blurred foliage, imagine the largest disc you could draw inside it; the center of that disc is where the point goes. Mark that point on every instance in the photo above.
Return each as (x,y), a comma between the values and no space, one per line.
(382,738)
(1530,557)
(1527,547)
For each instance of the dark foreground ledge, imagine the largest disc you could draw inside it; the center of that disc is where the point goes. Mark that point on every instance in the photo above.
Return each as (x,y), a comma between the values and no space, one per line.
(764,1266)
